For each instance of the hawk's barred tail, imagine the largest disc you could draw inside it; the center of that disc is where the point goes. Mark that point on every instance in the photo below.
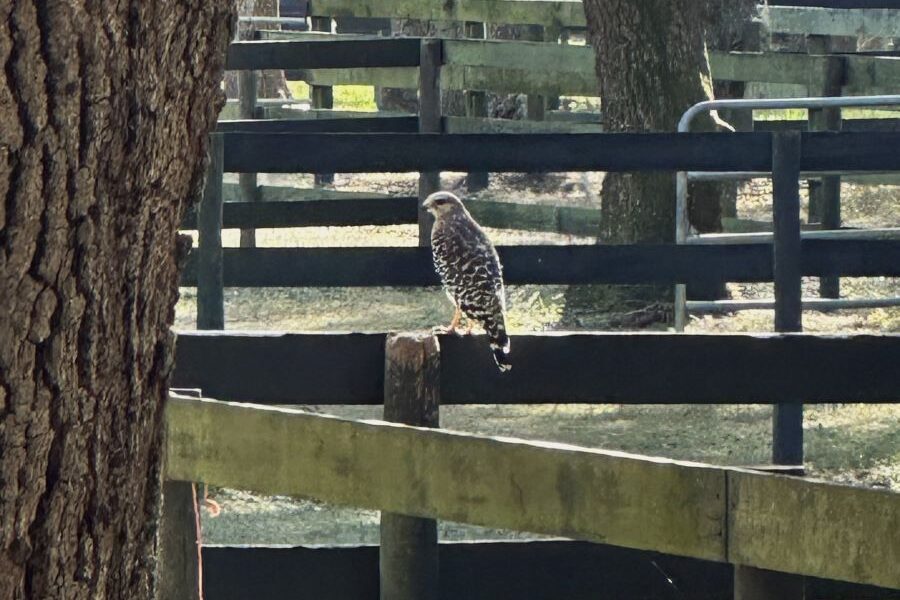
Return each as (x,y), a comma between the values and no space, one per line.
(500,347)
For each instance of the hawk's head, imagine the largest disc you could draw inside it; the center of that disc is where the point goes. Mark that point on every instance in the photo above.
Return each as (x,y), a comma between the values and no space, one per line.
(443,203)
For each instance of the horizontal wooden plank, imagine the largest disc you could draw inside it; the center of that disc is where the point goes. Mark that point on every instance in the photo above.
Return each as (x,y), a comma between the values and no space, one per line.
(538,152)
(866,125)
(668,369)
(282,368)
(529,570)
(611,497)
(285,193)
(525,570)
(561,368)
(769,67)
(851,151)
(566,13)
(399,210)
(871,18)
(316,213)
(551,265)
(689,509)
(470,125)
(785,524)
(323,54)
(841,4)
(375,124)
(872,75)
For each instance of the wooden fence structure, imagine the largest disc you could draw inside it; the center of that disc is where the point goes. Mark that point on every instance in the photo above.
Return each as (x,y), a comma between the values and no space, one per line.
(707,515)
(224,366)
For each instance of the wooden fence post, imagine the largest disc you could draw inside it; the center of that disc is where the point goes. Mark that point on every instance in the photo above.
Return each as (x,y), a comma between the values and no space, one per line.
(431,57)
(179,555)
(476,108)
(825,194)
(787,422)
(321,96)
(210,283)
(408,556)
(247,89)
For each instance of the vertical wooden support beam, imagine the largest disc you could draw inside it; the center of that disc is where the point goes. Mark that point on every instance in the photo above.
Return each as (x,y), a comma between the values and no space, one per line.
(322,96)
(535,104)
(210,282)
(476,108)
(179,555)
(825,195)
(408,558)
(431,58)
(787,443)
(247,89)
(554,34)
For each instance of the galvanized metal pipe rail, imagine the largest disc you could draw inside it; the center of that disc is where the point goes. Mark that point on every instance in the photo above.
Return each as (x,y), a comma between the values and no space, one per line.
(682,225)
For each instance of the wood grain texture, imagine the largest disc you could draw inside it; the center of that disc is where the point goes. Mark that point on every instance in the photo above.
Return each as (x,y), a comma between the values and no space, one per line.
(545,488)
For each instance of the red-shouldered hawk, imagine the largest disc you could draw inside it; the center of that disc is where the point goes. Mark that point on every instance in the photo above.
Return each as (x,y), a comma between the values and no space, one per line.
(469,268)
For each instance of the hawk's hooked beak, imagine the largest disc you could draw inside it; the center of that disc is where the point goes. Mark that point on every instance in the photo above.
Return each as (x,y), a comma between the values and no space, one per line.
(428,204)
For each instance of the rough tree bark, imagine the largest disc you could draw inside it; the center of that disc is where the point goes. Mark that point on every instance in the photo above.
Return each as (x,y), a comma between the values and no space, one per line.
(104,114)
(651,66)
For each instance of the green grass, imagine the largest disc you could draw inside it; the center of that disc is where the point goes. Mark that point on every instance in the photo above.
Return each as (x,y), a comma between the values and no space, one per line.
(346,97)
(847,113)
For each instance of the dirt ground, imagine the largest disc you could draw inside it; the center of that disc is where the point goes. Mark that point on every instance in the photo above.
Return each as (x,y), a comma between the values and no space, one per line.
(856,444)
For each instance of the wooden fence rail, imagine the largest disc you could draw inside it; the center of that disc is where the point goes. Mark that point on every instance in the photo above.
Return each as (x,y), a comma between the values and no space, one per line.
(687,509)
(329,368)
(525,570)
(551,265)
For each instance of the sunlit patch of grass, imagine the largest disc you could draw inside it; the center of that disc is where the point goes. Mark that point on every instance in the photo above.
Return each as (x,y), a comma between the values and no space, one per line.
(792,114)
(346,97)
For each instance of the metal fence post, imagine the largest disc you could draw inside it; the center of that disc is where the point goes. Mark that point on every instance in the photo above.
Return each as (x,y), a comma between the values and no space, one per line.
(210,282)
(408,555)
(431,57)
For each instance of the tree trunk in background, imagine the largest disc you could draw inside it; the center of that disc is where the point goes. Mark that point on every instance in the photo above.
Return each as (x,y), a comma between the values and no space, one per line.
(272,83)
(104,114)
(651,66)
(730,28)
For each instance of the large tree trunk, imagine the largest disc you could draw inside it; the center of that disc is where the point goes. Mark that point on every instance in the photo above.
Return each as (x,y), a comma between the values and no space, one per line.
(104,114)
(651,66)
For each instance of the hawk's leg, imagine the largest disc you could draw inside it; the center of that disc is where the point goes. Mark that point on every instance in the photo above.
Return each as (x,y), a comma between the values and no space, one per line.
(454,323)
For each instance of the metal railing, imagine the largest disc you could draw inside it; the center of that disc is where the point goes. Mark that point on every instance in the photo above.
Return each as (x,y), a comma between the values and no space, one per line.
(682,224)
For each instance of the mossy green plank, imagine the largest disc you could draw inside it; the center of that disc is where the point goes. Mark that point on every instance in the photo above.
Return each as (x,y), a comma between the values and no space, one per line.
(508,80)
(472,125)
(610,497)
(769,67)
(875,22)
(869,75)
(537,56)
(565,13)
(278,193)
(814,528)
(399,77)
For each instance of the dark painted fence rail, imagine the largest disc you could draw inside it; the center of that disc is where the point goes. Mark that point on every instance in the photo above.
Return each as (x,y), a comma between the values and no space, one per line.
(551,265)
(527,570)
(332,368)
